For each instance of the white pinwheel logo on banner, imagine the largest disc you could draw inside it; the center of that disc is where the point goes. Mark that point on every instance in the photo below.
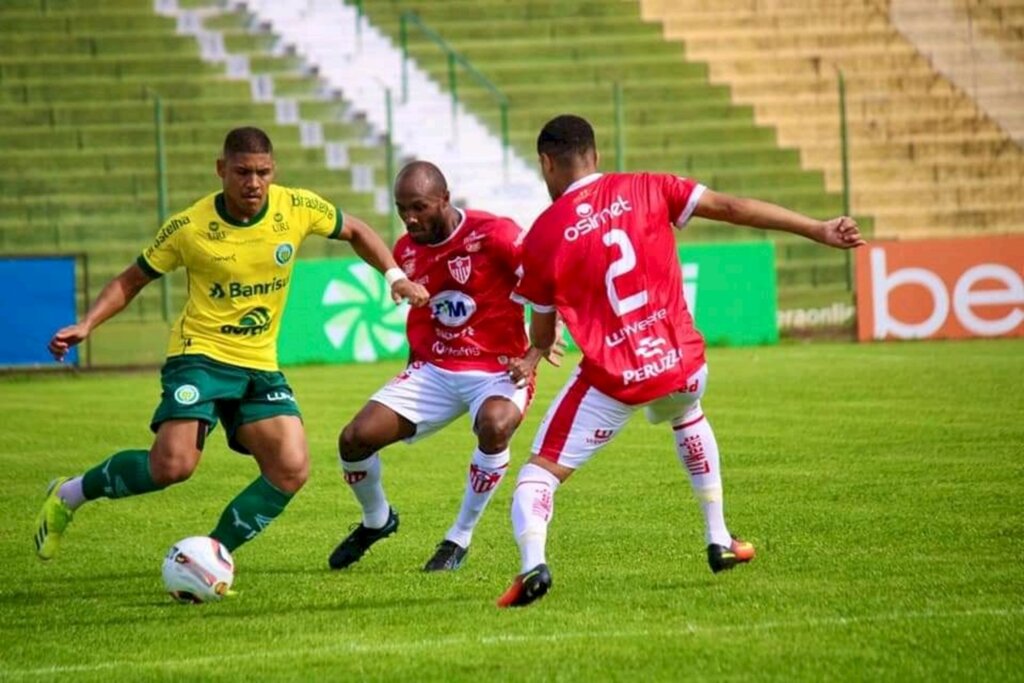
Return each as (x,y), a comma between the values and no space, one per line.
(369,320)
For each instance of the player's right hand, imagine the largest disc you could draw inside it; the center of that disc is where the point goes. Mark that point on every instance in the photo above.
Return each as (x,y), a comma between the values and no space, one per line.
(65,338)
(522,369)
(407,290)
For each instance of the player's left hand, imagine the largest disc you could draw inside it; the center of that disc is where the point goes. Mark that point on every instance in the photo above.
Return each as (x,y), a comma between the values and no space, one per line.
(407,290)
(842,233)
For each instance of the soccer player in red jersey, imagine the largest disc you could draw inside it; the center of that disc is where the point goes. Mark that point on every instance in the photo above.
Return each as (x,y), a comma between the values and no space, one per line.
(461,345)
(603,258)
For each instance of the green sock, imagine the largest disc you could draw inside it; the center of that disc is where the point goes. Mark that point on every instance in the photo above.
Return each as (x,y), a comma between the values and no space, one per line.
(119,476)
(250,513)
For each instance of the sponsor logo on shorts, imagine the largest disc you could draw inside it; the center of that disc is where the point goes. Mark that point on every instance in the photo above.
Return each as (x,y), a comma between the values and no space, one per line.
(186,394)
(280,396)
(600,437)
(283,253)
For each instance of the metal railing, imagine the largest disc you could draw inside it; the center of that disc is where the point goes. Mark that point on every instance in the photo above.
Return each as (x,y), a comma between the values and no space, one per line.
(454,60)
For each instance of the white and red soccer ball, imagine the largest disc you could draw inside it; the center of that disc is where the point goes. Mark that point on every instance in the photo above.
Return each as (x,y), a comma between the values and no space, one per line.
(198,569)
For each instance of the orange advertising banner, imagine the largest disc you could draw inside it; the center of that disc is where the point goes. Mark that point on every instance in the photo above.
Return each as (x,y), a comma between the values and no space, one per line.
(941,289)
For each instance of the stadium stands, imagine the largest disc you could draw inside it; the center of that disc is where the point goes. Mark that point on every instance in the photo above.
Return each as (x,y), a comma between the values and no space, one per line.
(77,81)
(550,58)
(925,158)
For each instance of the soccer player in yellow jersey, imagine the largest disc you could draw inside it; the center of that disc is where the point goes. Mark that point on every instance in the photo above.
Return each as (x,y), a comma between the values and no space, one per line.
(238,249)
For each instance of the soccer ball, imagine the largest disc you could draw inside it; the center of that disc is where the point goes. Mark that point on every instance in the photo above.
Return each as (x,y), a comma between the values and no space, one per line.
(198,569)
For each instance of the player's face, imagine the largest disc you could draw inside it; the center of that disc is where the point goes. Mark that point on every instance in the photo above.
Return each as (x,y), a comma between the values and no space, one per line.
(424,215)
(246,179)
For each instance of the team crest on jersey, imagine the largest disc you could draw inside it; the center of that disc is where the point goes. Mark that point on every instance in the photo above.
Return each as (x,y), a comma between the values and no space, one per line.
(283,253)
(460,267)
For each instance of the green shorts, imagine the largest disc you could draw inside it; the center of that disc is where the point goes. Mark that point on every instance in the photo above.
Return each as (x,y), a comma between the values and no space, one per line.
(196,387)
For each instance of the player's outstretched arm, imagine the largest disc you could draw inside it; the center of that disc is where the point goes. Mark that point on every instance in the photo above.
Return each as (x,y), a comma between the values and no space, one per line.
(841,232)
(113,299)
(371,248)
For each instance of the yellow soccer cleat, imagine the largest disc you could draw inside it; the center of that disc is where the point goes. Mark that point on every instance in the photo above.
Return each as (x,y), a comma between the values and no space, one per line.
(53,519)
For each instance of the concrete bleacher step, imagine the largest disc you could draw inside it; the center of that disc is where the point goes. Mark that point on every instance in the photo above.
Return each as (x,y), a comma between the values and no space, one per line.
(920,150)
(76,125)
(675,120)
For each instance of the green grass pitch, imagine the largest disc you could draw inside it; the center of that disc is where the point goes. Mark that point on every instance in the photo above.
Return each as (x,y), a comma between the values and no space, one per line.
(882,485)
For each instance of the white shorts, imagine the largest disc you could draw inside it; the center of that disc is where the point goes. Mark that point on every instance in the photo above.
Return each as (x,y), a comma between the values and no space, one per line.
(431,397)
(581,420)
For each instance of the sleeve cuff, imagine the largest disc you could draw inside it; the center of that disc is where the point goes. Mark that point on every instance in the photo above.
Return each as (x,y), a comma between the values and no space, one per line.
(146,268)
(335,234)
(691,206)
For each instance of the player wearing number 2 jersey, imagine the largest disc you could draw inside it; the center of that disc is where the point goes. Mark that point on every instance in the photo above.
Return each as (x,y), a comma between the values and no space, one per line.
(603,257)
(460,348)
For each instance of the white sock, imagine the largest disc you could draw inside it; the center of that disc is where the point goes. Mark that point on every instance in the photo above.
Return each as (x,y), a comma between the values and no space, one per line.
(485,473)
(533,505)
(698,454)
(363,477)
(71,493)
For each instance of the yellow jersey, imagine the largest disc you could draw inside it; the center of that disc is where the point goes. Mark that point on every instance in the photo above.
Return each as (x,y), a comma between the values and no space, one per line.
(238,273)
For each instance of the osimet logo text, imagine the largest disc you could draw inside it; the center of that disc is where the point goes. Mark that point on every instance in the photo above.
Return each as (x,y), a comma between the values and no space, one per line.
(588,223)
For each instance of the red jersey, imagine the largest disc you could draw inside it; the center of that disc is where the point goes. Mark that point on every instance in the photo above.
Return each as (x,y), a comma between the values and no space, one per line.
(470,322)
(603,254)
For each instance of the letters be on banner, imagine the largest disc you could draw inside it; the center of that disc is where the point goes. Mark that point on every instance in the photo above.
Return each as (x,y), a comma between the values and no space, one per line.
(941,289)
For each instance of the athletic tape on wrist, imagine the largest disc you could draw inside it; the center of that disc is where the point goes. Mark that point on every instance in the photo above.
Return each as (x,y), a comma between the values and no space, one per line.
(393,275)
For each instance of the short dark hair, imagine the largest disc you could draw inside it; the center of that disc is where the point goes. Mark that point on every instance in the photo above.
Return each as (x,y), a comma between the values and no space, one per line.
(566,137)
(247,140)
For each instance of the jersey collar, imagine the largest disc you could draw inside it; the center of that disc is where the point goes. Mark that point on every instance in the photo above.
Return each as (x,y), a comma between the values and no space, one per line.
(222,211)
(450,237)
(582,182)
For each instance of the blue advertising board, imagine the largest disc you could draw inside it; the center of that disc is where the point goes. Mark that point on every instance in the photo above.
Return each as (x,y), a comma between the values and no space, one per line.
(38,299)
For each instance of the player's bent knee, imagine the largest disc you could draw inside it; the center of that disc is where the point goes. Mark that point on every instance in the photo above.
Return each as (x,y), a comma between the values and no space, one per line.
(355,442)
(172,469)
(496,431)
(289,477)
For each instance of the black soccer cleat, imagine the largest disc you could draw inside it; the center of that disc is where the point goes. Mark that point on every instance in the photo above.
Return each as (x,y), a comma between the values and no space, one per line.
(721,558)
(448,557)
(359,541)
(527,587)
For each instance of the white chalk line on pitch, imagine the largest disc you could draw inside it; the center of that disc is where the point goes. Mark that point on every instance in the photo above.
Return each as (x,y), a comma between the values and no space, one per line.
(430,644)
